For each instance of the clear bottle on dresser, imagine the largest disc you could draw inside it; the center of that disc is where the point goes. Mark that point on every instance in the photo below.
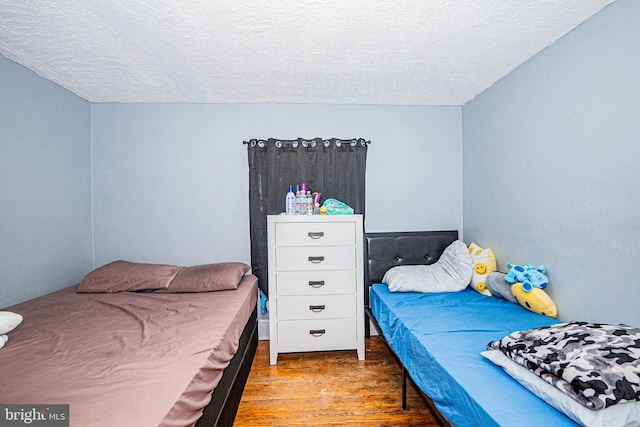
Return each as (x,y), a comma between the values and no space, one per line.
(309,203)
(316,204)
(301,200)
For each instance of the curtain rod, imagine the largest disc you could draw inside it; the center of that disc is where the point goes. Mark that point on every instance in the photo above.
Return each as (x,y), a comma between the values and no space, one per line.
(305,142)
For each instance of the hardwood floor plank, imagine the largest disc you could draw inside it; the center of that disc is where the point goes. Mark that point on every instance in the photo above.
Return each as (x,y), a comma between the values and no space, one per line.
(330,388)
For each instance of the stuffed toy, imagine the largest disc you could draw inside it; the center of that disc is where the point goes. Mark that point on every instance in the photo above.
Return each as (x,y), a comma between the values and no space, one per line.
(535,300)
(484,262)
(500,287)
(529,276)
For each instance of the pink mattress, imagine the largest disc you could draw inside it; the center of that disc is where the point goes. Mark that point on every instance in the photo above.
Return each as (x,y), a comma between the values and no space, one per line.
(124,359)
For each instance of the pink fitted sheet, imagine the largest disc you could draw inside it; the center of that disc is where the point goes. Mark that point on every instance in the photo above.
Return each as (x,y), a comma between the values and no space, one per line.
(124,359)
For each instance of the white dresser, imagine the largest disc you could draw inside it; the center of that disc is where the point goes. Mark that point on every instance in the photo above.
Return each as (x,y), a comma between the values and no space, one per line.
(316,295)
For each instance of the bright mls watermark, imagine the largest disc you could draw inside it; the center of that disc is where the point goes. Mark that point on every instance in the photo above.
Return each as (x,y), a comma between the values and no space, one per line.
(34,415)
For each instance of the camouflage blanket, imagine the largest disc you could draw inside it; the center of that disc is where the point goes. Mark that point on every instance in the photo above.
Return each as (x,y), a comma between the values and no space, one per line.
(598,365)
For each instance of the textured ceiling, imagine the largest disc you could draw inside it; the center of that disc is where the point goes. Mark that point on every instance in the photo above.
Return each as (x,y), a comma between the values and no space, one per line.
(408,52)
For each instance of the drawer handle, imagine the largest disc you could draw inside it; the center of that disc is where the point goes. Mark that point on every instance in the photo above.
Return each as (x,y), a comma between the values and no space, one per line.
(316,308)
(316,259)
(316,284)
(315,234)
(317,332)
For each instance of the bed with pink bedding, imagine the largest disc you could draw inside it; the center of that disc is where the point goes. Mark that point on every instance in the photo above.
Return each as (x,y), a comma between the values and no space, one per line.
(152,356)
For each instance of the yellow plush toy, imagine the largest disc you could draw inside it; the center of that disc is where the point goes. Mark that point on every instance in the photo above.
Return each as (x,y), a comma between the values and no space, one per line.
(537,300)
(484,262)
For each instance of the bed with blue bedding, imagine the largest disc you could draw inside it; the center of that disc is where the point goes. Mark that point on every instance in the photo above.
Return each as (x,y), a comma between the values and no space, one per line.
(438,338)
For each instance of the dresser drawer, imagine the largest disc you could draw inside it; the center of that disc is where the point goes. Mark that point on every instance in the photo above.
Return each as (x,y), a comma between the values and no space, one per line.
(315,258)
(316,282)
(307,335)
(316,307)
(316,234)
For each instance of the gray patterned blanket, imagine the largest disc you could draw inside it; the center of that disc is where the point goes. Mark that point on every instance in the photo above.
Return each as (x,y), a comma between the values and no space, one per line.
(598,365)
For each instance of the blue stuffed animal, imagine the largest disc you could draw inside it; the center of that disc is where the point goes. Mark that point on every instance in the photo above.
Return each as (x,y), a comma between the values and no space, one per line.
(529,276)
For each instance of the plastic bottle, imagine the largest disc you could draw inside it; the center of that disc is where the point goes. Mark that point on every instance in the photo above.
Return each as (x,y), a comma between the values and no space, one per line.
(309,203)
(301,200)
(297,200)
(290,208)
(316,204)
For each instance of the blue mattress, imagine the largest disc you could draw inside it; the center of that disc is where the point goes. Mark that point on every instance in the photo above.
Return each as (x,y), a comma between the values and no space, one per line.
(439,337)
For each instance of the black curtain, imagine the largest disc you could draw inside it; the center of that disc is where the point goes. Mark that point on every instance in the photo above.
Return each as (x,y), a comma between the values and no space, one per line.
(333,167)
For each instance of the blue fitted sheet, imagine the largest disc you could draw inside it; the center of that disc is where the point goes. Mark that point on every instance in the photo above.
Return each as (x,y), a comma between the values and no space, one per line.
(439,337)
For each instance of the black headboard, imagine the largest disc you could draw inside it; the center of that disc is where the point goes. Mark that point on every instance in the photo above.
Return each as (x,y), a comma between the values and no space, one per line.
(385,250)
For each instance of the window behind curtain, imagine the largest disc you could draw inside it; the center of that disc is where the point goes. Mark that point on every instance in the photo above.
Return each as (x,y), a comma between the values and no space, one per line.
(333,167)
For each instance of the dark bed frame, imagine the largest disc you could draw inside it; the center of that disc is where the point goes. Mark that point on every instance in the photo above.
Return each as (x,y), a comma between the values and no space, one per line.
(383,251)
(221,411)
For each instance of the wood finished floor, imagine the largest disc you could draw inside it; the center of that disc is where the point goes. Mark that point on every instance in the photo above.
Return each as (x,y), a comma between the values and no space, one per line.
(329,388)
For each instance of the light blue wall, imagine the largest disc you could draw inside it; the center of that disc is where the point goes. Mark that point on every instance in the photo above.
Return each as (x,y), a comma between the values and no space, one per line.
(171,180)
(45,185)
(547,159)
(551,156)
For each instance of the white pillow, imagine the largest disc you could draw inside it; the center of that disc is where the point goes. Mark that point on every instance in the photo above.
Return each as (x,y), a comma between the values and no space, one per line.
(622,414)
(451,273)
(8,321)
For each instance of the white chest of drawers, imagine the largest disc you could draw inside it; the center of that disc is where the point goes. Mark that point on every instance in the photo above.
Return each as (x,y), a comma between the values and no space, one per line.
(316,295)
